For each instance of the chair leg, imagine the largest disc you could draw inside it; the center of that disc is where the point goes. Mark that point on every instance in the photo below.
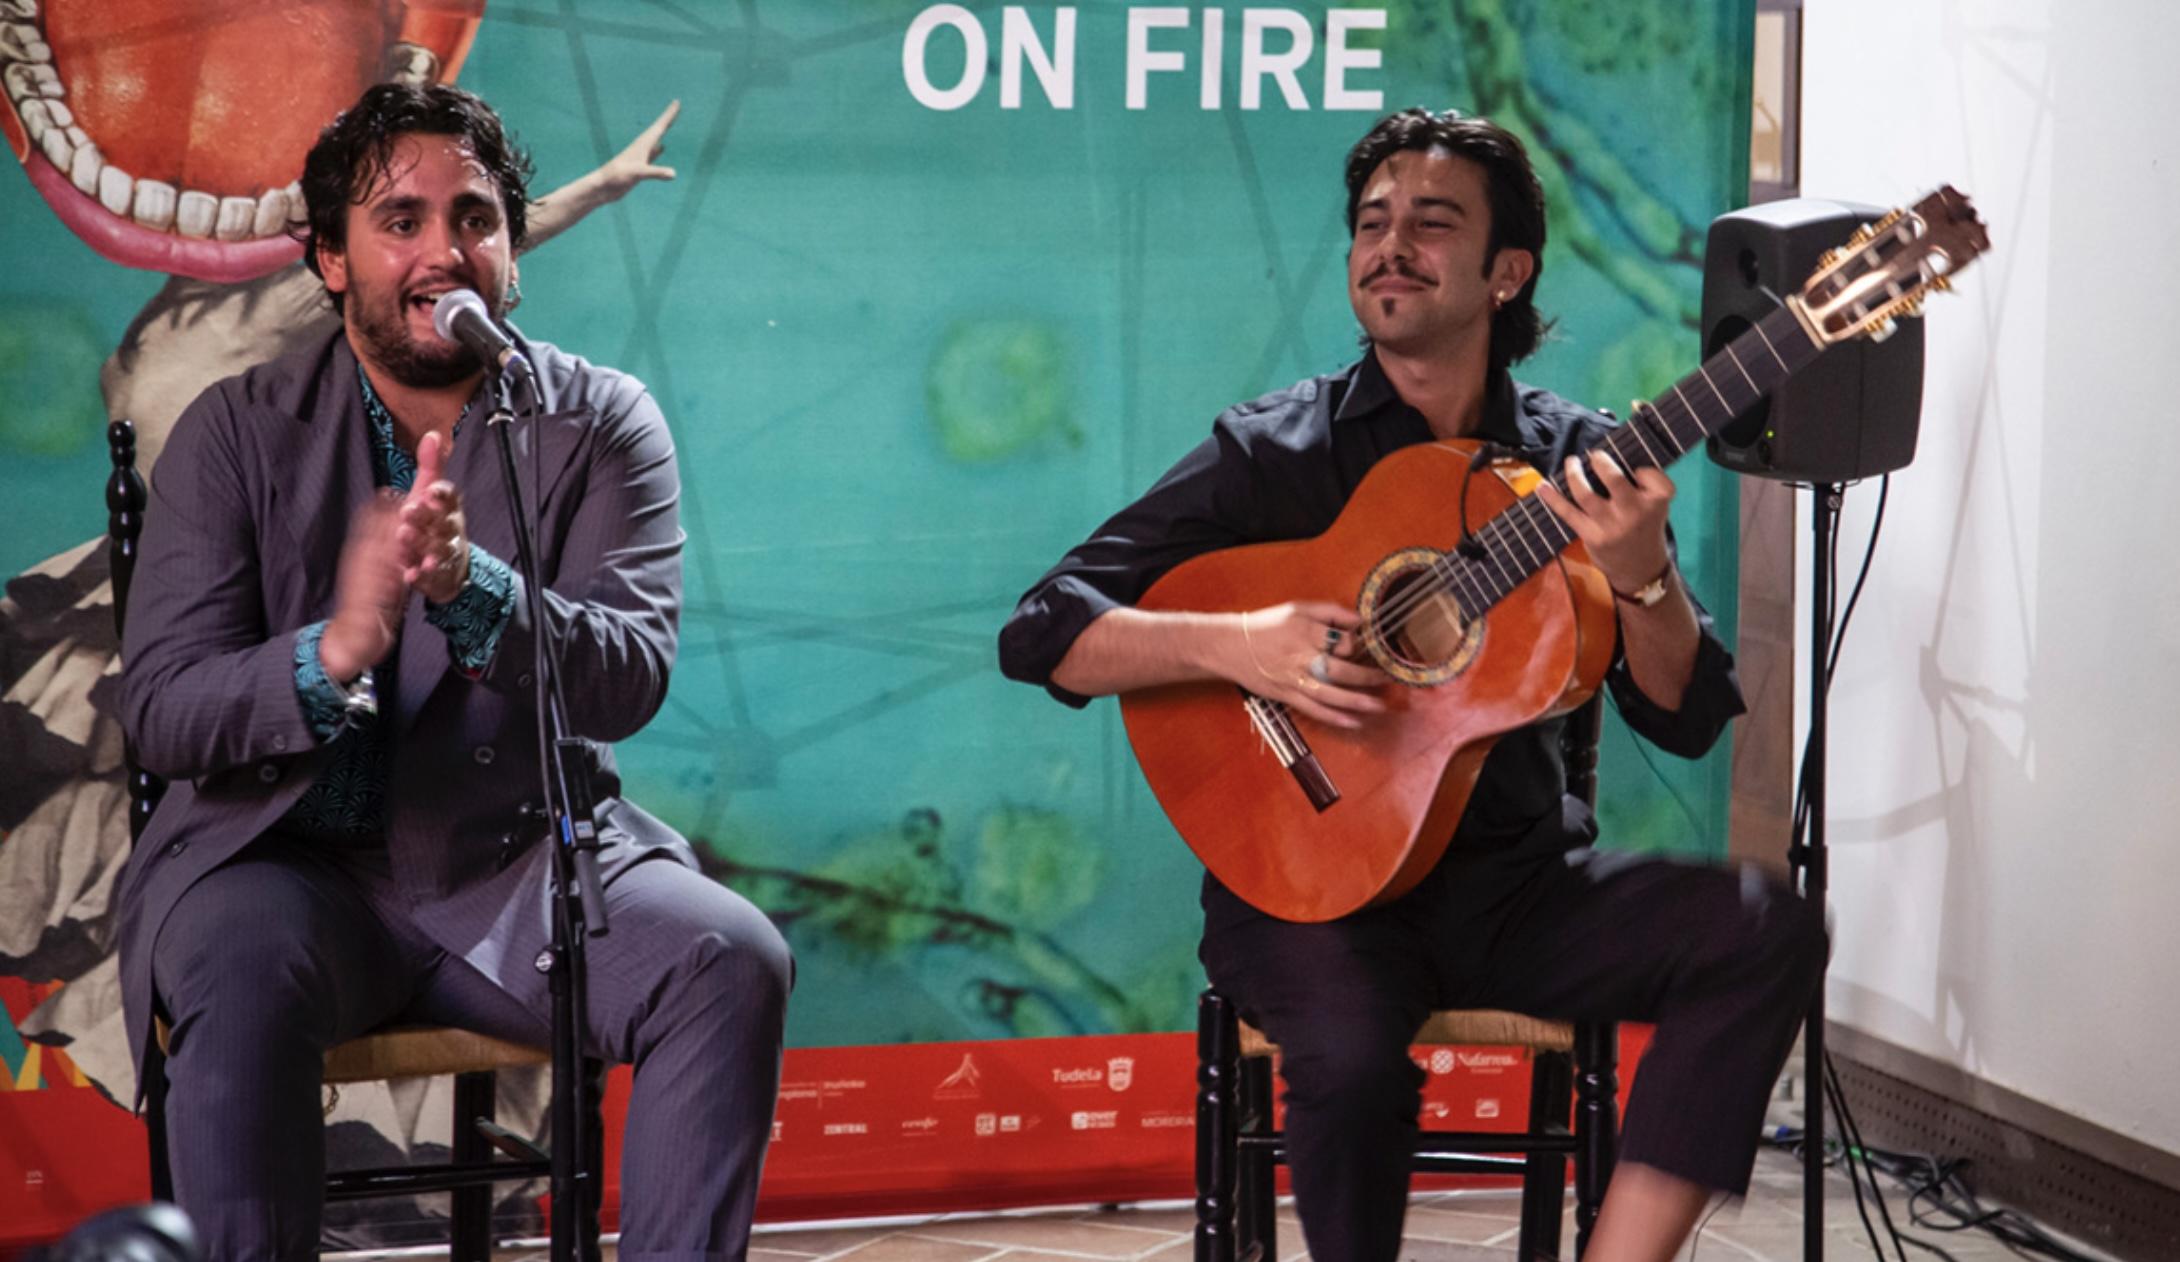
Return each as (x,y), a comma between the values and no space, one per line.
(1257,1200)
(476,1098)
(594,1157)
(1596,1122)
(1544,1177)
(155,1122)
(1216,1063)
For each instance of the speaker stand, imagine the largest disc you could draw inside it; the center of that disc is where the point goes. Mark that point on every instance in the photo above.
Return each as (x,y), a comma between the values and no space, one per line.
(1807,856)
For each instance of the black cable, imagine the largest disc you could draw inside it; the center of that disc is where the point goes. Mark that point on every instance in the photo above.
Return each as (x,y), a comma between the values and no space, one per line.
(1869,553)
(1851,1134)
(1836,638)
(1939,1181)
(1687,811)
(1695,1240)
(1854,1181)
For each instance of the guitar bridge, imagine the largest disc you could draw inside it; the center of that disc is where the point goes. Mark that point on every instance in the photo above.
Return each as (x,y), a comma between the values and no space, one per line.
(1287,744)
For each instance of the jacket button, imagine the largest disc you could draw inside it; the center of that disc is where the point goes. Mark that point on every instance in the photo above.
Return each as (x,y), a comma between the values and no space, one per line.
(280,744)
(483,754)
(176,847)
(524,680)
(267,773)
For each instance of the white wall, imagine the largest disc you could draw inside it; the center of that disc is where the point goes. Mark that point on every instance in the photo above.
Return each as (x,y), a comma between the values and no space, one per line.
(2005,769)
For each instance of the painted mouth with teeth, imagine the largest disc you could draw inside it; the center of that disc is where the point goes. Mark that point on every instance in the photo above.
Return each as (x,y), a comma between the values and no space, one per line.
(168,134)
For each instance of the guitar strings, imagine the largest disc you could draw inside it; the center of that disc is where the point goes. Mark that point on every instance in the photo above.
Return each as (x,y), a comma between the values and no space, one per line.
(1444,574)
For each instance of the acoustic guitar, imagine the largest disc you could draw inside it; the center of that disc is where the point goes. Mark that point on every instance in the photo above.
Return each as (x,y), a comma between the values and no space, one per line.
(1309,822)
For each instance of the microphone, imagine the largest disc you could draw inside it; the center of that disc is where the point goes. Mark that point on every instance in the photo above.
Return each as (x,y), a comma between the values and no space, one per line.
(461,316)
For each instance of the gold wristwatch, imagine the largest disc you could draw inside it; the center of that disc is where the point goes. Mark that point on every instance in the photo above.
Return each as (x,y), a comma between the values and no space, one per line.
(1649,593)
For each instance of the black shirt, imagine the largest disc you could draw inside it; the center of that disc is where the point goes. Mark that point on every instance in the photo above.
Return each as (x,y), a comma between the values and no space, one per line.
(1282,467)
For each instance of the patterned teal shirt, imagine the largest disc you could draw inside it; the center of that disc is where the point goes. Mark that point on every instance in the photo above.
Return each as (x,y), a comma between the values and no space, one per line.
(347,803)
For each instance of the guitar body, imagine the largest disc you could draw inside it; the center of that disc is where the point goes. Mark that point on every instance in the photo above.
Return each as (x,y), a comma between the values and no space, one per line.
(1403,778)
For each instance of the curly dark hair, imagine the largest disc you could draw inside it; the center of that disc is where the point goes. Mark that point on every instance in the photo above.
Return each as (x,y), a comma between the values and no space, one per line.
(353,152)
(1510,184)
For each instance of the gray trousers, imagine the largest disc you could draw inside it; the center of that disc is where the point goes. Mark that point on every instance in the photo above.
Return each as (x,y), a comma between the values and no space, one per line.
(280,953)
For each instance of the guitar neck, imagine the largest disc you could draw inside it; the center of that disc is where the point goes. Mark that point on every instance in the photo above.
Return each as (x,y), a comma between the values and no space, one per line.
(1521,540)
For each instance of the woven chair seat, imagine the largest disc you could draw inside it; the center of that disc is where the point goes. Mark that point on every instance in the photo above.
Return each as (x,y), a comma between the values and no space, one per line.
(423,1051)
(1482,1027)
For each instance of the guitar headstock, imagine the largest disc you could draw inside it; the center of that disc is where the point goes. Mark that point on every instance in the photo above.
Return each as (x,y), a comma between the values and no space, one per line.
(1887,268)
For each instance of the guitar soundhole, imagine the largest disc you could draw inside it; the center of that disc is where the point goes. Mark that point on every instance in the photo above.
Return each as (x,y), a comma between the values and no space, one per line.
(1412,625)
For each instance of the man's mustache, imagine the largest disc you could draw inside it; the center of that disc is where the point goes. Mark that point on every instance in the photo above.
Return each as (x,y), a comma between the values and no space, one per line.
(1402,270)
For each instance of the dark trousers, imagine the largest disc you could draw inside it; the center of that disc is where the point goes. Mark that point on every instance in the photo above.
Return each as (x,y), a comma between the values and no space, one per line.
(1722,960)
(281,953)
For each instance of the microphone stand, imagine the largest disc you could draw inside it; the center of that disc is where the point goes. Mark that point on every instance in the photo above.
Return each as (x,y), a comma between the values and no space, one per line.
(578,906)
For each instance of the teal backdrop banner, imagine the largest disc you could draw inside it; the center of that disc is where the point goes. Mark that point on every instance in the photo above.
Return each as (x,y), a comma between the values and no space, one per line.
(934,290)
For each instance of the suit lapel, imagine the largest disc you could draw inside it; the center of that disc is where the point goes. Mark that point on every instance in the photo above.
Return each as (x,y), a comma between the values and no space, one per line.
(328,475)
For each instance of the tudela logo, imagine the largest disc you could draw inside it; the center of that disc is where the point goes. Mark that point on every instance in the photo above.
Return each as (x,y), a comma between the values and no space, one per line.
(1088,1077)
(1119,1072)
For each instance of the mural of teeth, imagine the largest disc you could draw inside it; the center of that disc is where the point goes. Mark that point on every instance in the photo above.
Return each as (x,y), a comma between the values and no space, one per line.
(18,8)
(57,149)
(36,120)
(115,190)
(236,216)
(83,172)
(20,41)
(154,206)
(196,214)
(298,210)
(61,115)
(272,213)
(26,80)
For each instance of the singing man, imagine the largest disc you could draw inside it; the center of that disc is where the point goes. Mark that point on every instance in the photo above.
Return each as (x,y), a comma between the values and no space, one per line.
(329,657)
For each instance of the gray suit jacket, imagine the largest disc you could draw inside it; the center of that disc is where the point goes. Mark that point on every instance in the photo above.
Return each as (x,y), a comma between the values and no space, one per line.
(242,538)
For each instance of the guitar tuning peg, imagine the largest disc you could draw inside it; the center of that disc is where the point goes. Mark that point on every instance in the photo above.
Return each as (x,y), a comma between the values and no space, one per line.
(1942,284)
(1830,257)
(1879,330)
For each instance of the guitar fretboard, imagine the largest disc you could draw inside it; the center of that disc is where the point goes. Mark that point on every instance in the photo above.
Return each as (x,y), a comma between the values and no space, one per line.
(1519,541)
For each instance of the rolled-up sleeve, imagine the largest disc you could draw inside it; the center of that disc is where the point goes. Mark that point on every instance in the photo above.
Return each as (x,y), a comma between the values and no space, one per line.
(1711,700)
(1204,503)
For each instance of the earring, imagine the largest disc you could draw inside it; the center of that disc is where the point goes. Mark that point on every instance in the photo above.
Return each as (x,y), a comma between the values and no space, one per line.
(514,292)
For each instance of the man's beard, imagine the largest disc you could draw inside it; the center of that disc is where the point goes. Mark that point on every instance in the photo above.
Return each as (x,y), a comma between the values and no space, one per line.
(384,328)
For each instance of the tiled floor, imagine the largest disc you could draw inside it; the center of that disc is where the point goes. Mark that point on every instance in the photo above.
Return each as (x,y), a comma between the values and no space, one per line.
(1451,1227)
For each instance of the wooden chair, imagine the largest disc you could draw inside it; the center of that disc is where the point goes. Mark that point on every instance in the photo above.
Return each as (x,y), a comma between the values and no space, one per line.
(473,1059)
(1572,1065)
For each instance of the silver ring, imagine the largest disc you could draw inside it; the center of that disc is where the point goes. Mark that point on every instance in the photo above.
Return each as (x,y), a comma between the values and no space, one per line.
(1320,669)
(1332,638)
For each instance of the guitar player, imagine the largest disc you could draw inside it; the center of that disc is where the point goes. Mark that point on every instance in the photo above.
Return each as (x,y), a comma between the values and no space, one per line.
(1447,230)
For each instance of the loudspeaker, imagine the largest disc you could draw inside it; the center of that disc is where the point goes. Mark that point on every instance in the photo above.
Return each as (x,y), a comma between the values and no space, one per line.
(1851,414)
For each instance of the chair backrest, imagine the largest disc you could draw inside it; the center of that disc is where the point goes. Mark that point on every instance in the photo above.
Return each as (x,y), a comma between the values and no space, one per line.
(125,497)
(1578,747)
